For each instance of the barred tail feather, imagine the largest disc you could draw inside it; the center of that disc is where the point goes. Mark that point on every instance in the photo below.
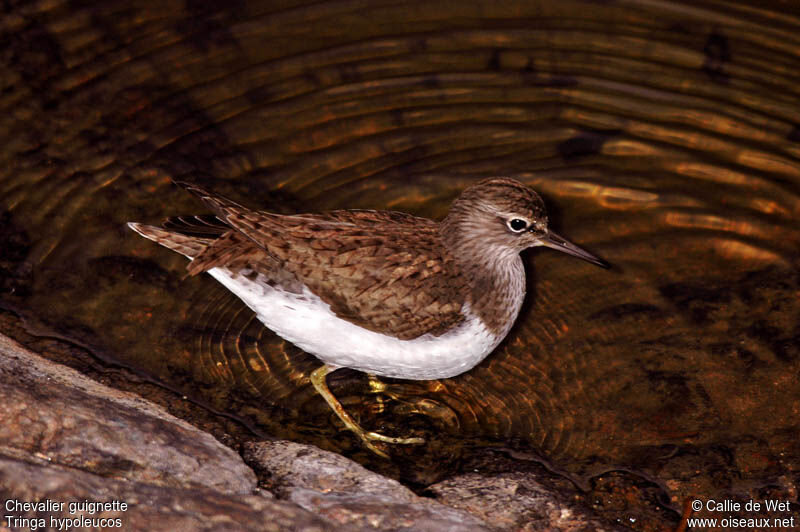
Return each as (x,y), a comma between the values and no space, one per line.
(188,246)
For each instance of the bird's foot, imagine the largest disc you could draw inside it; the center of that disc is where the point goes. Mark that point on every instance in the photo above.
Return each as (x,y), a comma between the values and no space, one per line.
(375,436)
(367,437)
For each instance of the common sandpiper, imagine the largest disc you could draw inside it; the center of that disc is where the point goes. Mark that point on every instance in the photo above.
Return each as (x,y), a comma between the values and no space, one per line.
(383,292)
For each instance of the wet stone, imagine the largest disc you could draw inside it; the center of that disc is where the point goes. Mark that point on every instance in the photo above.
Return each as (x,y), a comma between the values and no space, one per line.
(53,412)
(346,493)
(514,495)
(146,506)
(66,439)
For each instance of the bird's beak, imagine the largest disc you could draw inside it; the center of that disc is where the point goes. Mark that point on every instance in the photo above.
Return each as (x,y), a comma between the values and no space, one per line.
(552,240)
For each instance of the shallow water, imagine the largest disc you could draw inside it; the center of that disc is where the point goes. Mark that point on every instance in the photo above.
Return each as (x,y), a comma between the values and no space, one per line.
(664,137)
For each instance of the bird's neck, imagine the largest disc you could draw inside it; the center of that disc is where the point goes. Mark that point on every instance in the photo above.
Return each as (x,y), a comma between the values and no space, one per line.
(495,274)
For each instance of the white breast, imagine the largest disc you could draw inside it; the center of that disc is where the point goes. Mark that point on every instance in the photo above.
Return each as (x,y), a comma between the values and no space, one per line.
(307,321)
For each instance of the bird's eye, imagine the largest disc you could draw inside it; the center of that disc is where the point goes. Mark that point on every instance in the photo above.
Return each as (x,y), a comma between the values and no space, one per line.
(517,225)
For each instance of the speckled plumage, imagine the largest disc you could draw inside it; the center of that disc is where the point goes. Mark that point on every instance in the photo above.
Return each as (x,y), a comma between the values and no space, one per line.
(388,272)
(359,262)
(379,291)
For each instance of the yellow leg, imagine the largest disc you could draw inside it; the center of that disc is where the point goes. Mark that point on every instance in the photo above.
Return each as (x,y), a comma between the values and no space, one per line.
(318,377)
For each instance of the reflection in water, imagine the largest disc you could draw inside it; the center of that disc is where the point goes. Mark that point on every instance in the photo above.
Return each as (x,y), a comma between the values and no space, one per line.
(663,136)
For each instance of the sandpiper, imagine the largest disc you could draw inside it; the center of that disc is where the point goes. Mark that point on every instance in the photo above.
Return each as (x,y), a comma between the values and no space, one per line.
(382,292)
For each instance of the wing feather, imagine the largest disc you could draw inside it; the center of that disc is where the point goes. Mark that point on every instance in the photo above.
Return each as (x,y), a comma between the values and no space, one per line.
(385,271)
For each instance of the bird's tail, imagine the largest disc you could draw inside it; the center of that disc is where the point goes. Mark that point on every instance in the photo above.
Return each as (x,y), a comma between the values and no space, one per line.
(188,246)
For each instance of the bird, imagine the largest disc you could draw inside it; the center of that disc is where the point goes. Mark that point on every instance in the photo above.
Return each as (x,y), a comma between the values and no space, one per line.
(382,292)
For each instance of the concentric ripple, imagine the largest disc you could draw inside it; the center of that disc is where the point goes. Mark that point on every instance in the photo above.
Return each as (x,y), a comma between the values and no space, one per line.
(664,136)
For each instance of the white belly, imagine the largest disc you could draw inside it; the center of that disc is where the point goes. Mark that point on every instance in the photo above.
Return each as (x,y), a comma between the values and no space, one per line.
(307,321)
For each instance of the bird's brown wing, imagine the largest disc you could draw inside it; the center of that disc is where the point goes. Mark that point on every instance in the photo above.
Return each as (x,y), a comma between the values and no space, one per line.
(392,278)
(386,272)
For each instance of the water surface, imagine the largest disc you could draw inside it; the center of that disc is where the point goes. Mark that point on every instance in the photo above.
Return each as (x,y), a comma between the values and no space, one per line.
(664,137)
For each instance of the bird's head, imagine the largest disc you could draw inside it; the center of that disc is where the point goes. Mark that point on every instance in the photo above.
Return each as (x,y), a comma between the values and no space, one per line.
(506,217)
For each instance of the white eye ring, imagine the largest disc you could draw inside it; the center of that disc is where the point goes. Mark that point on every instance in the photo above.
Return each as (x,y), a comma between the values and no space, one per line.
(518,225)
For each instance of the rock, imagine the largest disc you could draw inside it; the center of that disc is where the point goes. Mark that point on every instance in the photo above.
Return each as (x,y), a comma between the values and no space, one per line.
(148,507)
(514,496)
(346,493)
(55,413)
